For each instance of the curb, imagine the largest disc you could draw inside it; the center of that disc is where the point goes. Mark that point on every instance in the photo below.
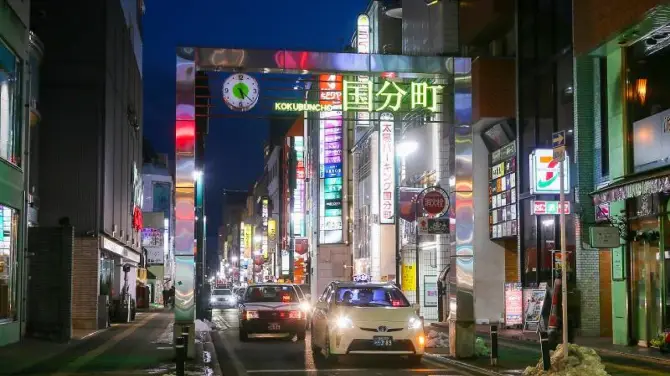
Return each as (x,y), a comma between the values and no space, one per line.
(461,364)
(208,346)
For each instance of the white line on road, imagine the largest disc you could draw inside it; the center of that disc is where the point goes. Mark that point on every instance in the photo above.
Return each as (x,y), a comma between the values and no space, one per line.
(313,370)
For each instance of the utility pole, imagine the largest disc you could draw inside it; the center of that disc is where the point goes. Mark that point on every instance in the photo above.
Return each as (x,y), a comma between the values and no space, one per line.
(558,144)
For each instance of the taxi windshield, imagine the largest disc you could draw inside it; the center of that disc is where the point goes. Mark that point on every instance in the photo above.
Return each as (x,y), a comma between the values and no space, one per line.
(383,296)
(271,294)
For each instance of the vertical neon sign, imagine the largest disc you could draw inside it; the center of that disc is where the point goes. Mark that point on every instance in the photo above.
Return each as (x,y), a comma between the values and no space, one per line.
(299,191)
(363,47)
(386,169)
(330,171)
(265,214)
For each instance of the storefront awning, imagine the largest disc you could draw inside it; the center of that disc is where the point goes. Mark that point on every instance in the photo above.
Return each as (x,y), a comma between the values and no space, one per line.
(646,183)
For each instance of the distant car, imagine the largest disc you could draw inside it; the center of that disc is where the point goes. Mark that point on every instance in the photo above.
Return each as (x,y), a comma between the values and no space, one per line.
(223,298)
(366,318)
(305,302)
(272,308)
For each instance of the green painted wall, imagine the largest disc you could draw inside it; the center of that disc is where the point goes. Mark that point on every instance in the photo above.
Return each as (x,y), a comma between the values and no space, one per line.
(618,161)
(14,34)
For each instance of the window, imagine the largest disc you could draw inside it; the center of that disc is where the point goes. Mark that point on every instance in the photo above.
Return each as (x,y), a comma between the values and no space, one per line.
(9,236)
(371,297)
(271,294)
(604,124)
(10,123)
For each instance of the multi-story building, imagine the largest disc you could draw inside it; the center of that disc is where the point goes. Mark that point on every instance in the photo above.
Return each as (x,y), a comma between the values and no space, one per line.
(15,67)
(158,225)
(234,206)
(90,146)
(621,142)
(292,239)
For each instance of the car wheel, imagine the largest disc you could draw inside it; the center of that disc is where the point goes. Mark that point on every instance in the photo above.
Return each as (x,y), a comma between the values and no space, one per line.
(415,360)
(330,357)
(301,336)
(244,336)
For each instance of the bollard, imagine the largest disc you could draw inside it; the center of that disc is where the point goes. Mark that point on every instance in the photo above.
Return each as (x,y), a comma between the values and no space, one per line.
(494,344)
(181,356)
(544,346)
(185,334)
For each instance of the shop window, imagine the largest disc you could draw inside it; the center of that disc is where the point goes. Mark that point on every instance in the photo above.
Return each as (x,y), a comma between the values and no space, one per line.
(10,120)
(9,236)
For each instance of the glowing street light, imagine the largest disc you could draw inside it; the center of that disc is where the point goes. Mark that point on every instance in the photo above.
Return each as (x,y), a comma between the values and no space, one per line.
(197,174)
(405,148)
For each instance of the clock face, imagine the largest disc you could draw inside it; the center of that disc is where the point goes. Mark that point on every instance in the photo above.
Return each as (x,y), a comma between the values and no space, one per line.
(240,92)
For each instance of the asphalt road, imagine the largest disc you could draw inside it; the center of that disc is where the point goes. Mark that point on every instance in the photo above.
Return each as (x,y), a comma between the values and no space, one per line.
(289,357)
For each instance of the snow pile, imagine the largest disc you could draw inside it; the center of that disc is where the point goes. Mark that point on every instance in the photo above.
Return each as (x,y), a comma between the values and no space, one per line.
(201,326)
(437,339)
(581,361)
(167,337)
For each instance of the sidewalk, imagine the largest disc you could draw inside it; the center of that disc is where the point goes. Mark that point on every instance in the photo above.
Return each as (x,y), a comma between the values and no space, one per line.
(141,347)
(518,349)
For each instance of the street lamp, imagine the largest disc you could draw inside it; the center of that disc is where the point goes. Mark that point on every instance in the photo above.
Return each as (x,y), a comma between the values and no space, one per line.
(406,147)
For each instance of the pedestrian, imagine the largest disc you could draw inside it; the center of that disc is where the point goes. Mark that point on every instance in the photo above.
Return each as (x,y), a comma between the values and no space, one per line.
(172,293)
(166,297)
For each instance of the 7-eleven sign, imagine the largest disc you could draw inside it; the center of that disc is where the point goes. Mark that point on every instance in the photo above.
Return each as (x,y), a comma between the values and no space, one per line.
(545,170)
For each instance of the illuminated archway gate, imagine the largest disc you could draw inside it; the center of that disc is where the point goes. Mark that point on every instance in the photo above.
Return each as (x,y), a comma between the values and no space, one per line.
(189,60)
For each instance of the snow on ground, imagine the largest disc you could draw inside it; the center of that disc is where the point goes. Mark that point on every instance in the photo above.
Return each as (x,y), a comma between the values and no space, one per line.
(201,326)
(167,336)
(437,339)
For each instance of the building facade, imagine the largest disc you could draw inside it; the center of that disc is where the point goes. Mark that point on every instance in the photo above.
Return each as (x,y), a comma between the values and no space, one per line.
(90,164)
(14,124)
(622,127)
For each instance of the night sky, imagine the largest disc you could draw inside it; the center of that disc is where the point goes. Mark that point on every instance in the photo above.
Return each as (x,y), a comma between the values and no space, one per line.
(234,154)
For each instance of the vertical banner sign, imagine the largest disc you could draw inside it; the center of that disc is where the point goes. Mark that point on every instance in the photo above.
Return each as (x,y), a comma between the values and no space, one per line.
(248,238)
(264,214)
(243,240)
(330,173)
(363,47)
(387,169)
(299,191)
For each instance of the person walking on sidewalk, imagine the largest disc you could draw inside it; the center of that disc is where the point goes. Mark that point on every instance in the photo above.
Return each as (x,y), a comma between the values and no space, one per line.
(166,297)
(172,293)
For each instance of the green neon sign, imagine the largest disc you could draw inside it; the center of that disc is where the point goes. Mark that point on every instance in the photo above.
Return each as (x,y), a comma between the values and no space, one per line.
(360,95)
(302,106)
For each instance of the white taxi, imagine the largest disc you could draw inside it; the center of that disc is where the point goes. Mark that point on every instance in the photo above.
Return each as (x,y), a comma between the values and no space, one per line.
(366,318)
(272,308)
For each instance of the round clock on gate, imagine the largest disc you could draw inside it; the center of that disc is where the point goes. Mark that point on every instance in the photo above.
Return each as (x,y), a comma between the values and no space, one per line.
(240,92)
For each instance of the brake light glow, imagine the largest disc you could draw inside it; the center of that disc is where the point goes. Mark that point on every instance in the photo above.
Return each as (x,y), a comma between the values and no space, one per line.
(396,303)
(295,315)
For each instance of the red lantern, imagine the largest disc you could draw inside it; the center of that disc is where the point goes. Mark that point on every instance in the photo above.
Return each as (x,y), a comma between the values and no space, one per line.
(258,260)
(137,218)
(301,246)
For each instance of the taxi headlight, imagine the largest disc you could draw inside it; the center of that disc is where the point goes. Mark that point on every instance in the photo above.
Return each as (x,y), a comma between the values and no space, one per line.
(343,322)
(305,307)
(414,323)
(212,300)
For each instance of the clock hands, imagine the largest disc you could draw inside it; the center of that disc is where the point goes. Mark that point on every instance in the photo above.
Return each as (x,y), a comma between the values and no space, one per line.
(241,92)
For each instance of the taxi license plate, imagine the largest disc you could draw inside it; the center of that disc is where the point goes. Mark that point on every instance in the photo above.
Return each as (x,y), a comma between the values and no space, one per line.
(382,341)
(274,326)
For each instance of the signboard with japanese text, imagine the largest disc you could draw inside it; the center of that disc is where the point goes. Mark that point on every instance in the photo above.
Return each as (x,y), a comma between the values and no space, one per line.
(408,280)
(392,95)
(152,237)
(298,214)
(549,207)
(430,295)
(155,255)
(248,240)
(502,193)
(435,226)
(513,304)
(387,170)
(243,241)
(265,208)
(330,89)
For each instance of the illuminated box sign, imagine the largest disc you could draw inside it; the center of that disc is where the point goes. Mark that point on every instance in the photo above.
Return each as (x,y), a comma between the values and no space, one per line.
(243,241)
(360,96)
(330,89)
(549,207)
(302,106)
(248,239)
(299,191)
(331,177)
(503,193)
(544,172)
(387,169)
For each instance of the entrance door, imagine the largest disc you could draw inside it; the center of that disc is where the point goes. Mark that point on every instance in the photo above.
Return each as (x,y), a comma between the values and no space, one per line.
(646,286)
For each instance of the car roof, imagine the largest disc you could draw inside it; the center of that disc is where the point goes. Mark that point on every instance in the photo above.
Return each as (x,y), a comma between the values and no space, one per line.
(272,285)
(364,284)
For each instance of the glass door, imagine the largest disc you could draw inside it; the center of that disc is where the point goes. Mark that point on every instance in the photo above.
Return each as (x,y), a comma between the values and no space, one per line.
(646,280)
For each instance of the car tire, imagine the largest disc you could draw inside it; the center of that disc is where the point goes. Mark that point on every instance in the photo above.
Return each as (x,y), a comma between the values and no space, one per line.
(244,336)
(316,350)
(415,359)
(330,358)
(301,336)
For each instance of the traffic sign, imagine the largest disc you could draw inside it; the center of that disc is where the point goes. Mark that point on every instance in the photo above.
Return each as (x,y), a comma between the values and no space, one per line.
(435,202)
(558,144)
(558,139)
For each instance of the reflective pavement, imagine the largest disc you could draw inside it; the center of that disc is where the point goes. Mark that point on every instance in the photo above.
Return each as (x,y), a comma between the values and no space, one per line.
(276,357)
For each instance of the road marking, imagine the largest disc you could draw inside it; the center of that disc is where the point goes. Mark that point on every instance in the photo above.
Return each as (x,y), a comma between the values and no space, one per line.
(443,366)
(239,368)
(81,361)
(314,370)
